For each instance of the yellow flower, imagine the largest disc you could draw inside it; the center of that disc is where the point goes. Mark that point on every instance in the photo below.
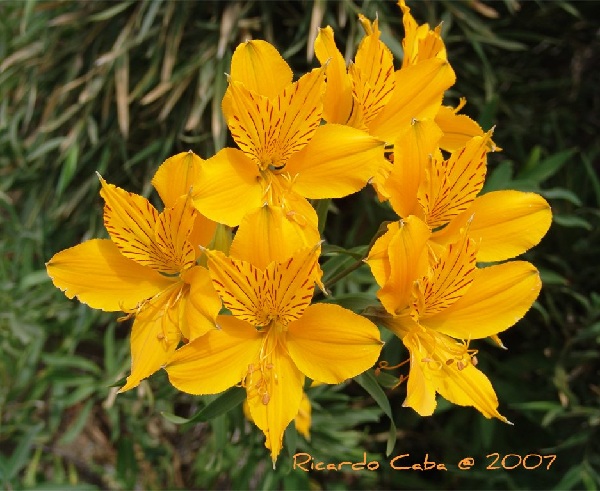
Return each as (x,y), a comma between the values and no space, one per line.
(285,155)
(371,95)
(147,269)
(273,339)
(421,43)
(432,297)
(443,193)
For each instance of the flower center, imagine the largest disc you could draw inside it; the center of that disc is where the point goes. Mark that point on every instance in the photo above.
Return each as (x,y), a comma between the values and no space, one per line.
(262,376)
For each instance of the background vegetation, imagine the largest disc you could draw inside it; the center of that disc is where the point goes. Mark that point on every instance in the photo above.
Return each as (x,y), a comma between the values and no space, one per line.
(116,87)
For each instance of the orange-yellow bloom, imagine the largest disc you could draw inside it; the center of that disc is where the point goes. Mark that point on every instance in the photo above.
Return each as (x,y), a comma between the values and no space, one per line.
(374,97)
(273,339)
(433,296)
(285,155)
(443,194)
(147,269)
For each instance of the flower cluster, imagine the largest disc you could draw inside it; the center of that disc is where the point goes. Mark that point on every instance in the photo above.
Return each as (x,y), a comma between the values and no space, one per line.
(216,312)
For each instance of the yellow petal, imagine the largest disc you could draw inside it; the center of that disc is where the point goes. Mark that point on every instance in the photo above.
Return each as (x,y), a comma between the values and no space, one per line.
(266,235)
(408,257)
(331,344)
(172,230)
(216,361)
(499,296)
(131,220)
(203,232)
(229,186)
(176,176)
(458,129)
(260,67)
(240,285)
(470,387)
(450,277)
(372,73)
(274,393)
(420,388)
(270,131)
(379,258)
(291,283)
(303,418)
(418,96)
(100,276)
(337,101)
(441,364)
(303,216)
(419,43)
(154,337)
(252,122)
(412,152)
(300,112)
(323,170)
(454,183)
(507,223)
(202,304)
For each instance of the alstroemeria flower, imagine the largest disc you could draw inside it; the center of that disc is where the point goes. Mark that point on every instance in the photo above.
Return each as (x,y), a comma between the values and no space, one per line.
(422,43)
(147,269)
(273,339)
(371,95)
(444,194)
(429,301)
(285,155)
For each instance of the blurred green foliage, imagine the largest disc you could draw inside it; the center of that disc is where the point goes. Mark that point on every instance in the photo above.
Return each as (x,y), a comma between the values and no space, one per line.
(118,87)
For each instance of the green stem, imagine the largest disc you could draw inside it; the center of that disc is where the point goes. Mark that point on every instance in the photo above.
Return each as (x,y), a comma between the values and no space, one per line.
(359,262)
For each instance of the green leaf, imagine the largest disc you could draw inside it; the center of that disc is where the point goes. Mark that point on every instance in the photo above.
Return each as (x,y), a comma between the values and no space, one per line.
(368,382)
(291,438)
(357,302)
(76,427)
(110,12)
(20,455)
(173,418)
(127,467)
(68,170)
(540,171)
(334,250)
(561,193)
(62,361)
(34,278)
(223,403)
(572,221)
(322,208)
(500,177)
